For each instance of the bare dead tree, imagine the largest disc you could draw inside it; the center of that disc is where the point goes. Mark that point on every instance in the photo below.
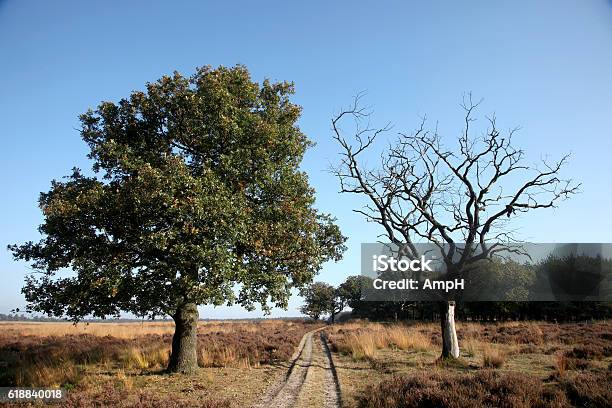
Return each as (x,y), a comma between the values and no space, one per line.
(423,191)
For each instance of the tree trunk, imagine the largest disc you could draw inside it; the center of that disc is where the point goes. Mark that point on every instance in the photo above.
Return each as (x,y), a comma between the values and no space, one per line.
(450,344)
(184,356)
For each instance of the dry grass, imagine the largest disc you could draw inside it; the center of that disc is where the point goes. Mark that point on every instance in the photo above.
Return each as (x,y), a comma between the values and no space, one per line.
(52,375)
(470,346)
(399,337)
(419,342)
(362,345)
(446,389)
(564,364)
(493,356)
(539,335)
(130,330)
(145,358)
(362,340)
(40,360)
(511,364)
(561,364)
(407,339)
(117,330)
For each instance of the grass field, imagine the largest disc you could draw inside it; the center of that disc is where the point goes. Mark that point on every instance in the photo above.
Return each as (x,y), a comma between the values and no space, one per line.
(378,364)
(121,364)
(123,330)
(506,364)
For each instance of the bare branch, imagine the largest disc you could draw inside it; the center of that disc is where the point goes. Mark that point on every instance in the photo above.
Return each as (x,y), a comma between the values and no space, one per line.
(423,191)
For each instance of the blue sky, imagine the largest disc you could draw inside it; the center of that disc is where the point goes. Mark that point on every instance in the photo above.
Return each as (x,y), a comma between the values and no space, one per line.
(545,66)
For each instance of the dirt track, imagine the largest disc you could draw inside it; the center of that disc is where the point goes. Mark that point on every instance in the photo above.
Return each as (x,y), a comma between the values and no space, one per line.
(311,380)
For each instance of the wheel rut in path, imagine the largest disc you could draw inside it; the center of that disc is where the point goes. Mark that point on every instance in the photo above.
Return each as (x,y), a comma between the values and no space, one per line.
(311,380)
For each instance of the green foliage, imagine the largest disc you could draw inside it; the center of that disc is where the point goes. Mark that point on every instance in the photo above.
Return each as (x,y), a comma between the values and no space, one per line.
(196,192)
(517,283)
(574,275)
(319,299)
(505,279)
(350,290)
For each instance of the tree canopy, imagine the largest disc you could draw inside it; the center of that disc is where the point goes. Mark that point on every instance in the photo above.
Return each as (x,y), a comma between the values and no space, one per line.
(196,196)
(319,300)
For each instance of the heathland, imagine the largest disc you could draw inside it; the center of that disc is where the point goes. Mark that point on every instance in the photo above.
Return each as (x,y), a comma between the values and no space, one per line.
(505,364)
(509,364)
(122,364)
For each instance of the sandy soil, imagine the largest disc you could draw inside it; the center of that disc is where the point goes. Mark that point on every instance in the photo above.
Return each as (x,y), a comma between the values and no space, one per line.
(311,380)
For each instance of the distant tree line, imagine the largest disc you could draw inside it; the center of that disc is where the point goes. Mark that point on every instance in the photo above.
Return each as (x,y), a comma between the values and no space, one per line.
(514,282)
(487,311)
(14,317)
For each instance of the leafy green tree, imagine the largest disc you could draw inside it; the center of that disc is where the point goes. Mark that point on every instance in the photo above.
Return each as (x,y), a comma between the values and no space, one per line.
(339,303)
(500,279)
(195,198)
(323,299)
(350,292)
(496,278)
(577,276)
(319,300)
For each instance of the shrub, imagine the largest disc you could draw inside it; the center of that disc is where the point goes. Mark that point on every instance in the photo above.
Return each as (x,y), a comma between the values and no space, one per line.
(399,337)
(134,358)
(469,346)
(452,390)
(52,375)
(40,361)
(589,351)
(493,356)
(418,341)
(111,396)
(361,342)
(561,364)
(588,390)
(362,345)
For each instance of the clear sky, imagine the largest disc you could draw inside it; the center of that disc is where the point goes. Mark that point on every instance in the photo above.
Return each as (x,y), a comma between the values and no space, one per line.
(543,65)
